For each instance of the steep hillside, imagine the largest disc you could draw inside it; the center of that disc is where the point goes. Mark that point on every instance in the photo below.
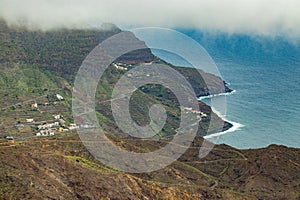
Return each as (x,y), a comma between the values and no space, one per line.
(61,168)
(35,66)
(37,71)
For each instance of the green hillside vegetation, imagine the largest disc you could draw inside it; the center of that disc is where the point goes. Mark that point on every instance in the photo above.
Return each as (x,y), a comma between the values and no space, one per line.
(38,65)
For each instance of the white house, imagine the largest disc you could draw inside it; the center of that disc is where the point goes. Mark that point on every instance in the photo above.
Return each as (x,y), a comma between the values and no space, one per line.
(35,105)
(86,126)
(188,109)
(45,133)
(120,67)
(48,126)
(73,127)
(203,115)
(57,116)
(59,97)
(29,120)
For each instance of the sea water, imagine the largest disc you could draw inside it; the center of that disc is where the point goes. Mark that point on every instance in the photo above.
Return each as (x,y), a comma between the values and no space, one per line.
(265,73)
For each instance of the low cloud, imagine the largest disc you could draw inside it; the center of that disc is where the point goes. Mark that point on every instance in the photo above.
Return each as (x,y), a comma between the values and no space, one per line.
(260,17)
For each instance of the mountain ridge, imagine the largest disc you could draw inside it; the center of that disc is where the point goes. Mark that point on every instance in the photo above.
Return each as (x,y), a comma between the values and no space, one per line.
(60,167)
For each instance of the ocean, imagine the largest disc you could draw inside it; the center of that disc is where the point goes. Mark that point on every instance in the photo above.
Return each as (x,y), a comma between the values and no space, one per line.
(265,74)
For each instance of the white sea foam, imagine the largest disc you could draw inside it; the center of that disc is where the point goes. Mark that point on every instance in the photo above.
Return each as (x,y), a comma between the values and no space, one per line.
(216,95)
(235,126)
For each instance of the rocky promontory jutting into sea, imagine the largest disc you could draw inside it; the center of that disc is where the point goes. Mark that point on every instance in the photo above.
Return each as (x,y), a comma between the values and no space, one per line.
(42,156)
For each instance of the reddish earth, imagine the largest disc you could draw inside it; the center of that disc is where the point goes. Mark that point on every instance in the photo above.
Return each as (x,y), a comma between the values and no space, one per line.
(61,168)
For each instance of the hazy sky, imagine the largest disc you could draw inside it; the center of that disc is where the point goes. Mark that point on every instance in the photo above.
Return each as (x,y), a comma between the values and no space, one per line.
(261,17)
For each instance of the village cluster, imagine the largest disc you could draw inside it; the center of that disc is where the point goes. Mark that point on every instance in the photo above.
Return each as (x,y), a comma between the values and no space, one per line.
(50,129)
(125,67)
(57,124)
(199,114)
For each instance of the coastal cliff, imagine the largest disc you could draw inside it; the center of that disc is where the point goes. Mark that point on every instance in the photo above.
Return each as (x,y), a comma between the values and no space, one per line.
(38,67)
